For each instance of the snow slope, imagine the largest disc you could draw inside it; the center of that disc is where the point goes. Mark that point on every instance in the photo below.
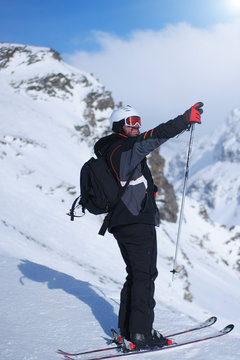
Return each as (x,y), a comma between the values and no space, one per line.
(47,308)
(60,281)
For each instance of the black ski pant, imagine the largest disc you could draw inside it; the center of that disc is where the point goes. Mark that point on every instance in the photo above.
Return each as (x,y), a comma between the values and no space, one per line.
(138,246)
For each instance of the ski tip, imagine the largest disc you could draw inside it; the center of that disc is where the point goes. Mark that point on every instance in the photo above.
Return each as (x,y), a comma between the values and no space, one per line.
(213,319)
(209,322)
(65,354)
(227,329)
(59,351)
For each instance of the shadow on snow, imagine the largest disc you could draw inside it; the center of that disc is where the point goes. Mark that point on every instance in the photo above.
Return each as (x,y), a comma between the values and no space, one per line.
(82,290)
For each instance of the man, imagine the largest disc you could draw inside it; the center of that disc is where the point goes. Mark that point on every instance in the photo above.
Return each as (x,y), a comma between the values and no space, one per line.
(136,215)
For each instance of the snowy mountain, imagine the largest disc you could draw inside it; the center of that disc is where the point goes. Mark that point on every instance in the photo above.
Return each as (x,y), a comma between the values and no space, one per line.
(214,173)
(60,281)
(40,74)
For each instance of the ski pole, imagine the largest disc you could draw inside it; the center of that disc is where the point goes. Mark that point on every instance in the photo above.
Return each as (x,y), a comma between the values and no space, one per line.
(174,271)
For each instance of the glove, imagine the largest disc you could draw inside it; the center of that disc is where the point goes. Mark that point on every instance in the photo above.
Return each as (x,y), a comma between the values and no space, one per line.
(193,115)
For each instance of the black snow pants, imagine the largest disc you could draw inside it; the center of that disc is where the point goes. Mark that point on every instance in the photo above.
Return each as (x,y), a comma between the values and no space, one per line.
(138,246)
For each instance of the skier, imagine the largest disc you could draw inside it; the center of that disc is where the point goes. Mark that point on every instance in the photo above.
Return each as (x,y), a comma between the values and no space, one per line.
(134,218)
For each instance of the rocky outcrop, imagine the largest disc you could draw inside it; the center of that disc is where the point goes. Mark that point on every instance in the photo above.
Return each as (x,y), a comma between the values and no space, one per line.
(166,199)
(9,51)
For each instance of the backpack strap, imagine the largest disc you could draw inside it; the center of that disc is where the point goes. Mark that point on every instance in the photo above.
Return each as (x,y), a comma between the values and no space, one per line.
(75,204)
(107,218)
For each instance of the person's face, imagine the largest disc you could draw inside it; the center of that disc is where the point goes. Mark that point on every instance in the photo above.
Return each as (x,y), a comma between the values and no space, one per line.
(131,131)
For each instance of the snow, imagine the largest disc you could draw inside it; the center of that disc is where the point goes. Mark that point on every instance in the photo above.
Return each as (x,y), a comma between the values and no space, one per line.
(47,309)
(214,172)
(60,281)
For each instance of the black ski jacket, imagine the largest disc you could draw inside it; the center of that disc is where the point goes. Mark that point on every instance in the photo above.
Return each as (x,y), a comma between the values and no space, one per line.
(123,154)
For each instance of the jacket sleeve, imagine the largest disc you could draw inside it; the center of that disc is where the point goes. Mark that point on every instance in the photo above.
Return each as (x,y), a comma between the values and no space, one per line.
(151,139)
(128,155)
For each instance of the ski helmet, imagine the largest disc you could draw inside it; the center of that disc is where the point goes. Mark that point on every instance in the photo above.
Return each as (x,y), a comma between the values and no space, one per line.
(122,113)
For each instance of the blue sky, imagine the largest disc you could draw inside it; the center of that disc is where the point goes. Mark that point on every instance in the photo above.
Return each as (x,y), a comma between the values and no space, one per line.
(68,25)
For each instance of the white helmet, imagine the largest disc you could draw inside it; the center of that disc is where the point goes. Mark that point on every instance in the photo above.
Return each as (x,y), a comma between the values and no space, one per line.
(122,113)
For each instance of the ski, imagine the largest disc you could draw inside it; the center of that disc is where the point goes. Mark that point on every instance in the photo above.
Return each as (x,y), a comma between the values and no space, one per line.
(217,334)
(202,325)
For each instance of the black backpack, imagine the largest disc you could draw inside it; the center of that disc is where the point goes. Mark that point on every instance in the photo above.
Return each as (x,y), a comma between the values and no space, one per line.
(100,190)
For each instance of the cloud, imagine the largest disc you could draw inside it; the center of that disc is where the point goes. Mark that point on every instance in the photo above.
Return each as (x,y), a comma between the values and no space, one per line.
(162,73)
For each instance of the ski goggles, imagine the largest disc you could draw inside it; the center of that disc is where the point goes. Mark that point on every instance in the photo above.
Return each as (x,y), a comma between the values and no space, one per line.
(133,121)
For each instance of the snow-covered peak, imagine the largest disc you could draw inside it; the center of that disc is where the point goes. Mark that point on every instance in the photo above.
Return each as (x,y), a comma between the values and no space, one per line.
(39,73)
(228,145)
(19,59)
(224,143)
(214,170)
(14,55)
